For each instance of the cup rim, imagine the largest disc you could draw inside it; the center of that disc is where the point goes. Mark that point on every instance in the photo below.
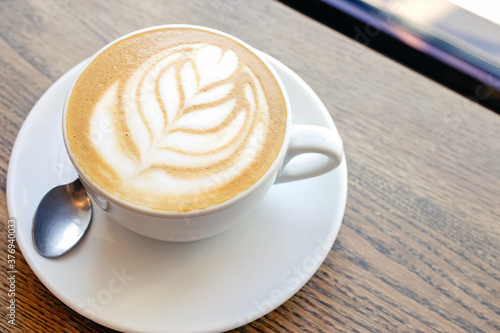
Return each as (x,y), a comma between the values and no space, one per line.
(144,210)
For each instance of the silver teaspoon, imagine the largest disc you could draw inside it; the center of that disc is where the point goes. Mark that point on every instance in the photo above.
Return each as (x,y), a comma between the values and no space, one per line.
(61,219)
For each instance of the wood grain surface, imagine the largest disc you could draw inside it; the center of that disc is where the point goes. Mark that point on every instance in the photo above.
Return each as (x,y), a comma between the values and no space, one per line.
(419,248)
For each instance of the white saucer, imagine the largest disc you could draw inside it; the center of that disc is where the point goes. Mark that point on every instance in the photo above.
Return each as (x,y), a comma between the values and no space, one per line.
(211,285)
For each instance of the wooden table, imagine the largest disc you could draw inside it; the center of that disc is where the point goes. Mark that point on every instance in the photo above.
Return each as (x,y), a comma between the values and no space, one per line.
(419,248)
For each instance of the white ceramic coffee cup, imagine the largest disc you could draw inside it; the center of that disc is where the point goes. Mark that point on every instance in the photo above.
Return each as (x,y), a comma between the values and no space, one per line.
(203,223)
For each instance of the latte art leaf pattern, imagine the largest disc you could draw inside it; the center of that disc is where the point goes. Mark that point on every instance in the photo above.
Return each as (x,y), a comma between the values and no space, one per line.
(176,119)
(185,116)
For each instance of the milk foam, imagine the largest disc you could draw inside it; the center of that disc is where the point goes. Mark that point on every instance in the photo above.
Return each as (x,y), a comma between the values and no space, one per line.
(188,118)
(175,119)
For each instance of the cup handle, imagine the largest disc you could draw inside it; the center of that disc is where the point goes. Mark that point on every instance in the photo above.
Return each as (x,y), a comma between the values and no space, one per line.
(310,140)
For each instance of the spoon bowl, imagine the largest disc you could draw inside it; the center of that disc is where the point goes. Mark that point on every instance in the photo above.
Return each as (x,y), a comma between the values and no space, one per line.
(61,219)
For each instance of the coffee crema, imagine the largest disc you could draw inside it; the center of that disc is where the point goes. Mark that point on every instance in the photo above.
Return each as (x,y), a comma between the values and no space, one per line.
(176,119)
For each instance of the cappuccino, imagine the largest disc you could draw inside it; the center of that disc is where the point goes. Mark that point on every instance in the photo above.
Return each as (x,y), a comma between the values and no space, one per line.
(176,119)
